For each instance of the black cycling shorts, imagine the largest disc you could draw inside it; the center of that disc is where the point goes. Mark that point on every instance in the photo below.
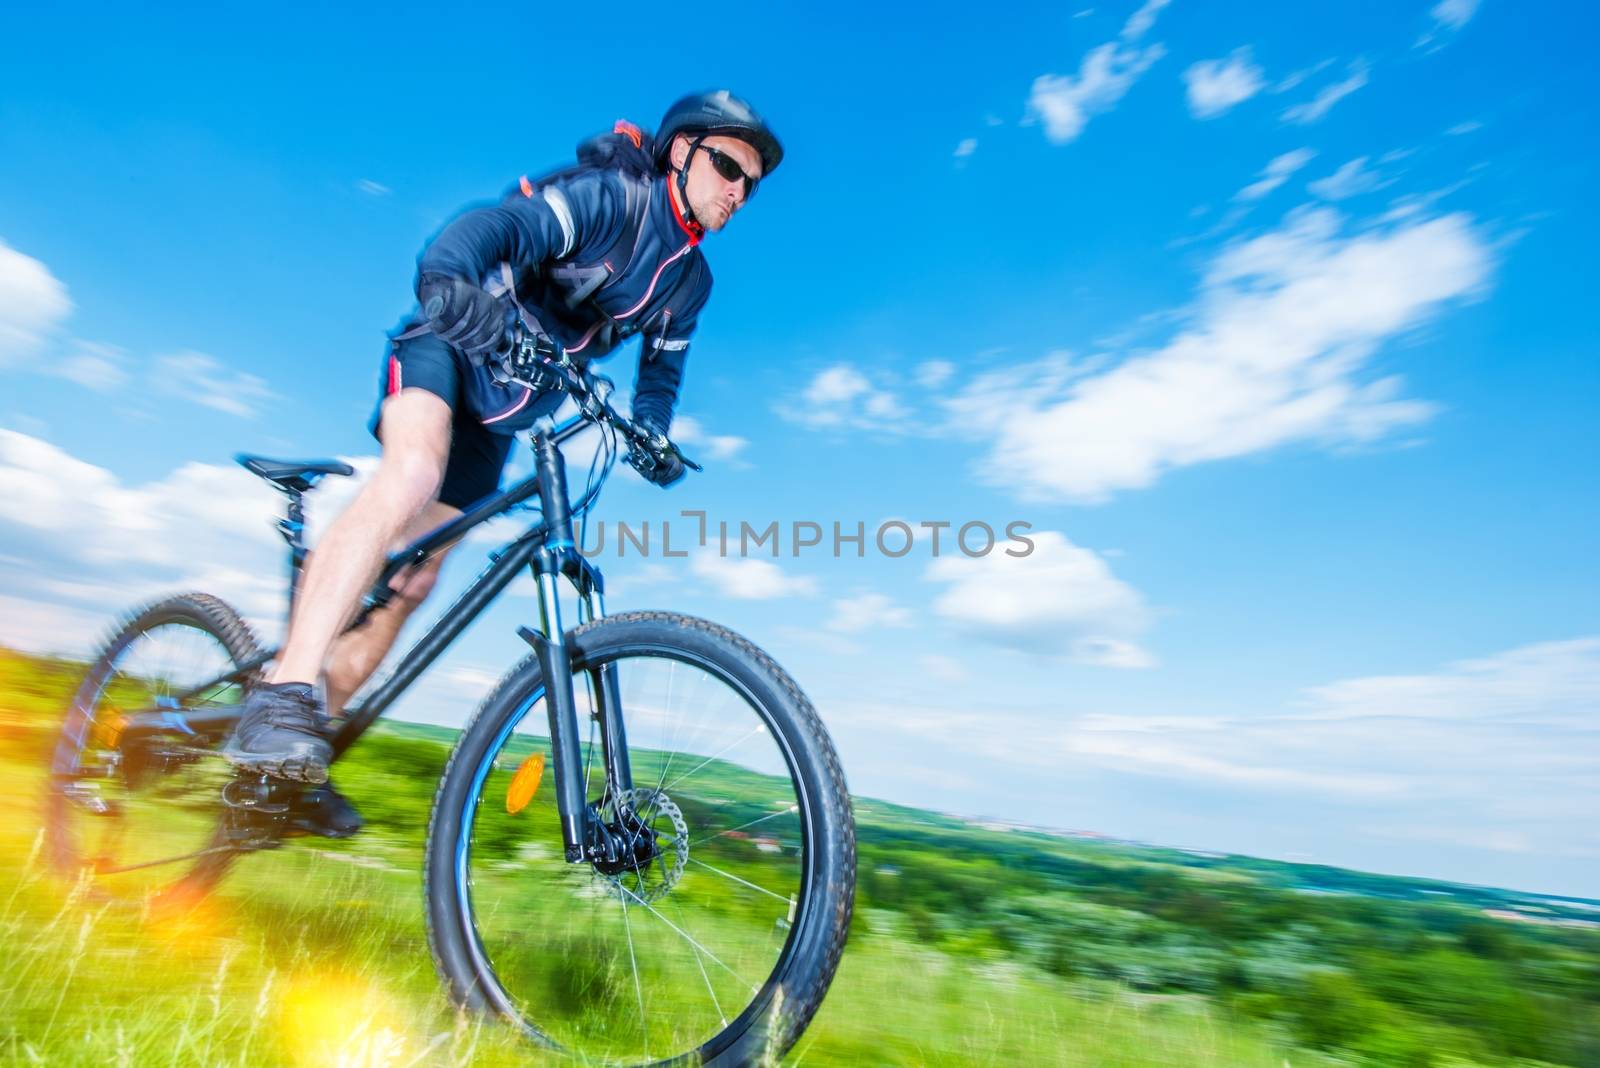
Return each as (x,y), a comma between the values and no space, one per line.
(477,456)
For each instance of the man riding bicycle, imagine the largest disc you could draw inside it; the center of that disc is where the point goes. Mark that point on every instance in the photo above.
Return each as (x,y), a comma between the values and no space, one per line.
(585,258)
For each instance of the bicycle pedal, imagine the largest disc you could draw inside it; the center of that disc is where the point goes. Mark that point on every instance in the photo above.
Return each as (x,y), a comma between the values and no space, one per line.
(253,796)
(250,829)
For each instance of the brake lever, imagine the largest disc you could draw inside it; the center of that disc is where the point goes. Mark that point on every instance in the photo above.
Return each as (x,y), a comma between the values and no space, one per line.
(690,464)
(593,395)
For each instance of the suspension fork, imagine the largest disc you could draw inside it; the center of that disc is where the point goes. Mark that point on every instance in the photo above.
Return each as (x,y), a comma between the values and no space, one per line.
(605,691)
(559,556)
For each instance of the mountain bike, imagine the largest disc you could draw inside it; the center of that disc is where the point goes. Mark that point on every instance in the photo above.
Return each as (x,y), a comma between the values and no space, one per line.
(679,894)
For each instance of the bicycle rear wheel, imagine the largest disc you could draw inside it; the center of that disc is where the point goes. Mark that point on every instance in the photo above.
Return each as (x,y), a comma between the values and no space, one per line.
(716,938)
(136,811)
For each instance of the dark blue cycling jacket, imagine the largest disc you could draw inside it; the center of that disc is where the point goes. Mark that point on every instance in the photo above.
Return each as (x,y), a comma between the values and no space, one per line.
(561,245)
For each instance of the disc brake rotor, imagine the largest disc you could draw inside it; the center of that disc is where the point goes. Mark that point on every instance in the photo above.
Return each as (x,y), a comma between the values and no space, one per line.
(650,812)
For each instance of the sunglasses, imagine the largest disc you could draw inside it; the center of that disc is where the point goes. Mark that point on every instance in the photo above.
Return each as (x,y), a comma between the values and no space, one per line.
(729,169)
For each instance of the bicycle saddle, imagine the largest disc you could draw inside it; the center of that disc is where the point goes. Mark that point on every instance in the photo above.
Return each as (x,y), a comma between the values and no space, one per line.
(293,476)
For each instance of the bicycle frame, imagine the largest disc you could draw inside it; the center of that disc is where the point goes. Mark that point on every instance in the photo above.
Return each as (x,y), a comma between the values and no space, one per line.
(550,551)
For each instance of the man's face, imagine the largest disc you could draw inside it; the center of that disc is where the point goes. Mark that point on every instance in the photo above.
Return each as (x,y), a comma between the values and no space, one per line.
(713,198)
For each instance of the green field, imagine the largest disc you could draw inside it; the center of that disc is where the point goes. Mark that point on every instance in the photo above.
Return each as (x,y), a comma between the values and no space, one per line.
(971,946)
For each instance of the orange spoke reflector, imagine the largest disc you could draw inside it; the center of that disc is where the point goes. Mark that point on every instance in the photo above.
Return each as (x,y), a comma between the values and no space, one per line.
(525,783)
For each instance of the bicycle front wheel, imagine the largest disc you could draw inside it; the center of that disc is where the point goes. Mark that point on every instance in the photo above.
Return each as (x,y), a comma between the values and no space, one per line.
(715,939)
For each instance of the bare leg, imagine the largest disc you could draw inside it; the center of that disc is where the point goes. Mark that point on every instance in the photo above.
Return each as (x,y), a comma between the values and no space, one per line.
(416,443)
(357,653)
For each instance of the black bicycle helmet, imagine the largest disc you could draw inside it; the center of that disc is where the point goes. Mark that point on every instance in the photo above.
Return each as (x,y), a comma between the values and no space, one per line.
(718,112)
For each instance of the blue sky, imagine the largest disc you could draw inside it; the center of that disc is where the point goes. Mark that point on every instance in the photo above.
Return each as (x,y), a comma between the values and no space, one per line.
(1270,321)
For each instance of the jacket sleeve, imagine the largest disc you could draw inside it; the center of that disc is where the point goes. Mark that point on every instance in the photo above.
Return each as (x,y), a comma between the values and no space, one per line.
(531,226)
(662,356)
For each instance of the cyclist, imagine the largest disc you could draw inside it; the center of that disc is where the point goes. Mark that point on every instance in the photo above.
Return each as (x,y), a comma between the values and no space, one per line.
(587,258)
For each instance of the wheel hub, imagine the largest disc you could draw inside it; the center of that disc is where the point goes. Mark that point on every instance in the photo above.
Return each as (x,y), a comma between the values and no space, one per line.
(645,845)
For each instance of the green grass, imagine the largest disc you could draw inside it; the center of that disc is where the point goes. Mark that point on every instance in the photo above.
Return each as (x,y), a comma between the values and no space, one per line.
(318,961)
(970,948)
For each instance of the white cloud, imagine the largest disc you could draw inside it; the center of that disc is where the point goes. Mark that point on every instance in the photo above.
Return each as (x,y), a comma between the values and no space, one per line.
(967,147)
(206,381)
(1427,744)
(75,539)
(851,615)
(33,302)
(1216,85)
(632,585)
(1351,179)
(836,385)
(1060,600)
(931,374)
(1460,128)
(1423,746)
(1134,750)
(373,189)
(1501,765)
(841,396)
(750,579)
(102,368)
(1415,205)
(43,627)
(1553,684)
(474,677)
(1298,77)
(45,489)
(1281,329)
(1140,21)
(1454,14)
(1065,103)
(1275,173)
(1319,105)
(335,493)
(1448,17)
(1225,754)
(689,431)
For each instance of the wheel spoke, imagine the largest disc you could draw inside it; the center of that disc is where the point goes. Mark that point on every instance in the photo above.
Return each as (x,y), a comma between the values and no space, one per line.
(752,823)
(701,964)
(588,759)
(735,878)
(685,935)
(644,1028)
(229,678)
(672,744)
(757,729)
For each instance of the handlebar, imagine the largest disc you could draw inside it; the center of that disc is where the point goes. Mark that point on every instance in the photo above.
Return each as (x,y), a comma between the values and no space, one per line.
(528,352)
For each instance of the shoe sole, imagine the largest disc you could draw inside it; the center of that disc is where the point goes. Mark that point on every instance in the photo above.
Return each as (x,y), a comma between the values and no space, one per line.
(292,768)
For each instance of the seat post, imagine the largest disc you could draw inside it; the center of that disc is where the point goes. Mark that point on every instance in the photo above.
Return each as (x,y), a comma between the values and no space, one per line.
(294,479)
(293,526)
